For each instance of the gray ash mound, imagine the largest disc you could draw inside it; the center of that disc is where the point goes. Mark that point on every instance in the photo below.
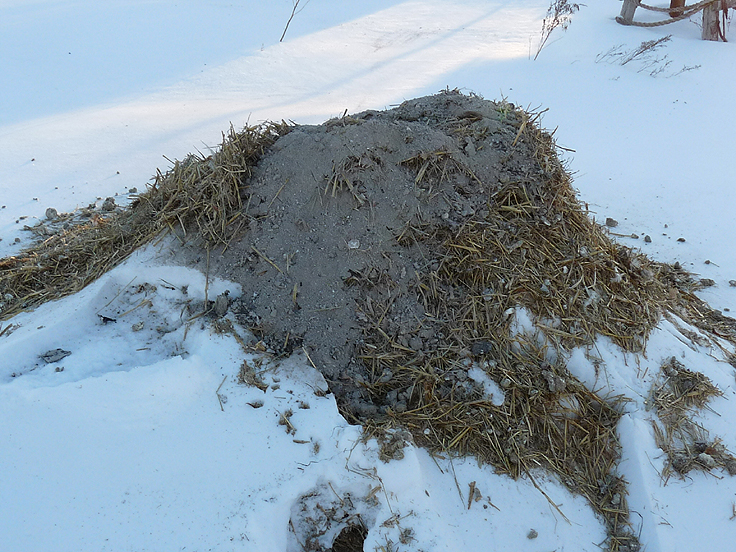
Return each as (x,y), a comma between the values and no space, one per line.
(333,213)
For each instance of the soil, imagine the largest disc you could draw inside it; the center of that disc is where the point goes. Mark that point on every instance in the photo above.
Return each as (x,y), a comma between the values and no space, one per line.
(328,211)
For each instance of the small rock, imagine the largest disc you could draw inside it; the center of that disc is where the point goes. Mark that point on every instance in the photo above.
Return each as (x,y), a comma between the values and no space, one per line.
(138,326)
(634,236)
(133,191)
(354,244)
(706,460)
(707,282)
(611,223)
(647,239)
(532,534)
(221,304)
(555,383)
(732,283)
(480,348)
(681,240)
(59,369)
(55,355)
(52,214)
(109,204)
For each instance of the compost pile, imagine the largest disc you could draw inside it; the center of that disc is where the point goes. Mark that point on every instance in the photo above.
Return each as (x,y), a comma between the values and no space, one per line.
(401,252)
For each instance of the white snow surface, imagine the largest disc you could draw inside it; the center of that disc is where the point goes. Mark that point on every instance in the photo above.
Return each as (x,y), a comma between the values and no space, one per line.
(142,439)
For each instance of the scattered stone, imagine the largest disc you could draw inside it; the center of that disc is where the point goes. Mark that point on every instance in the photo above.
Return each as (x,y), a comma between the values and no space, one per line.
(634,236)
(133,191)
(52,214)
(707,460)
(555,383)
(221,304)
(17,240)
(354,244)
(647,239)
(707,282)
(109,204)
(138,326)
(532,534)
(611,223)
(732,283)
(481,348)
(59,369)
(55,355)
(681,240)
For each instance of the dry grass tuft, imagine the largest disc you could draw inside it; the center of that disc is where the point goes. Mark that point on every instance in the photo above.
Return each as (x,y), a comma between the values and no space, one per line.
(199,192)
(676,396)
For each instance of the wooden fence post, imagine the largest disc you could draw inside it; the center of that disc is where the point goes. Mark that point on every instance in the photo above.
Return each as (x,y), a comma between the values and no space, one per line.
(712,21)
(627,12)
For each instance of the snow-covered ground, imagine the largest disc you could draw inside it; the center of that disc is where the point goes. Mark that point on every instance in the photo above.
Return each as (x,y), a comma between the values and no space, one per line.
(145,440)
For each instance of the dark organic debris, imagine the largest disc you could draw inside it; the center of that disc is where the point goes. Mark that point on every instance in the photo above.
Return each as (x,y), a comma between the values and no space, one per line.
(55,355)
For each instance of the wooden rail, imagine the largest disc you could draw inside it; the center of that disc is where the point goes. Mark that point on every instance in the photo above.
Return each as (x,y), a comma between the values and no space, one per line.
(678,11)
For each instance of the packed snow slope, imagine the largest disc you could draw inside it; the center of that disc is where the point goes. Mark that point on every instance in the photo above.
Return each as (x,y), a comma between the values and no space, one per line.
(142,438)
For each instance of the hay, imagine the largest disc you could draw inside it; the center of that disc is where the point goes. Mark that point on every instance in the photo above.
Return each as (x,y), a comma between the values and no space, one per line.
(676,397)
(199,192)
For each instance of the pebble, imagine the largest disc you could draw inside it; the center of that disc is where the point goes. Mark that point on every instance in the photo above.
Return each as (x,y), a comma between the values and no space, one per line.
(732,283)
(109,204)
(681,240)
(52,213)
(480,348)
(532,534)
(647,239)
(706,460)
(611,223)
(221,304)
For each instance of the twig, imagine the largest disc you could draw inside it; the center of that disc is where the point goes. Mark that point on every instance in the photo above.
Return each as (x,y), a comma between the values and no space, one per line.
(218,393)
(293,13)
(269,261)
(556,507)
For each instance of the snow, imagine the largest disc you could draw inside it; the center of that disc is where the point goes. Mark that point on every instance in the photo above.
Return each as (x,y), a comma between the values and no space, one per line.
(145,440)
